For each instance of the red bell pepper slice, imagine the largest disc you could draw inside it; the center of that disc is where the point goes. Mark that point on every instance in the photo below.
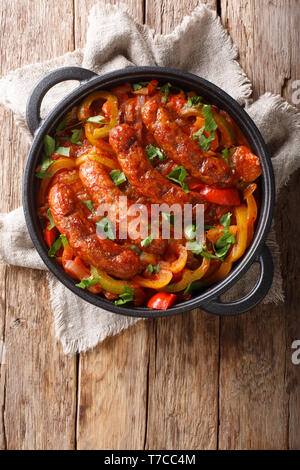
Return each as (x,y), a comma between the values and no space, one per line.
(162,301)
(50,235)
(223,197)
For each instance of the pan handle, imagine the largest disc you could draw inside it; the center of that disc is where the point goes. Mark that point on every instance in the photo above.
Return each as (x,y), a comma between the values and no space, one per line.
(33,117)
(257,294)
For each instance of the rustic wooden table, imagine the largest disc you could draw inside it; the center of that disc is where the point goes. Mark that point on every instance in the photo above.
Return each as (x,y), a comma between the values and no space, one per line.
(190,382)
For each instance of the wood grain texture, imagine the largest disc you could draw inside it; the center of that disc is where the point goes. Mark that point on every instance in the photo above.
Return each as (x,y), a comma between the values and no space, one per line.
(37,383)
(83,7)
(113,385)
(259,386)
(184,382)
(164,15)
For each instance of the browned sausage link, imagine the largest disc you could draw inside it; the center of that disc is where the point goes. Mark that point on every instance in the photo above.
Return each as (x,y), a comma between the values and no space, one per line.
(98,182)
(69,218)
(182,149)
(142,175)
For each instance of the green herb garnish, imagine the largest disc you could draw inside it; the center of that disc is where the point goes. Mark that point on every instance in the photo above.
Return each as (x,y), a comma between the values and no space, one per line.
(106,228)
(194,101)
(97,119)
(193,286)
(118,177)
(190,231)
(147,241)
(49,145)
(178,175)
(223,243)
(168,217)
(165,90)
(210,126)
(128,296)
(226,156)
(87,283)
(76,136)
(56,245)
(153,269)
(139,85)
(155,152)
(89,205)
(64,240)
(195,247)
(49,148)
(52,224)
(65,151)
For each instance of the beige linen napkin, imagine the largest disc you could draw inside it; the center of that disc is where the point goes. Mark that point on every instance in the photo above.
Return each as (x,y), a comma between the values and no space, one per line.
(114,40)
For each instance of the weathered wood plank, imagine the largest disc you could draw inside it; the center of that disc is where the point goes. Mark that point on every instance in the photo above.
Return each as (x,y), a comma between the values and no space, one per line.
(183,378)
(83,7)
(164,15)
(113,377)
(38,381)
(259,386)
(183,383)
(113,392)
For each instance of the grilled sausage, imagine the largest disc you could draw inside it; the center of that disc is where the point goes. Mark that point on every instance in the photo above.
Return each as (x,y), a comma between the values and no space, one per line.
(69,217)
(141,174)
(102,189)
(182,149)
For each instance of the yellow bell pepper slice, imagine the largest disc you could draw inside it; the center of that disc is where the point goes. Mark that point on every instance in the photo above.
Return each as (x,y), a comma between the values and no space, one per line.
(189,276)
(251,217)
(159,280)
(221,272)
(98,131)
(61,163)
(109,162)
(108,283)
(177,265)
(239,248)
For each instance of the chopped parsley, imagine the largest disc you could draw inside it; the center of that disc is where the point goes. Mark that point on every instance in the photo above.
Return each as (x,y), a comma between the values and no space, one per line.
(168,218)
(195,247)
(193,286)
(147,241)
(210,126)
(49,148)
(226,156)
(139,85)
(76,136)
(87,283)
(64,240)
(128,296)
(118,177)
(106,228)
(155,152)
(89,205)
(190,231)
(153,269)
(56,245)
(194,101)
(65,151)
(178,175)
(97,119)
(165,90)
(52,224)
(223,243)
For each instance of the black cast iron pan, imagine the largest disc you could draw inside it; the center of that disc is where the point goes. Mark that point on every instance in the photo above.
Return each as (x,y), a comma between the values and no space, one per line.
(208,300)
